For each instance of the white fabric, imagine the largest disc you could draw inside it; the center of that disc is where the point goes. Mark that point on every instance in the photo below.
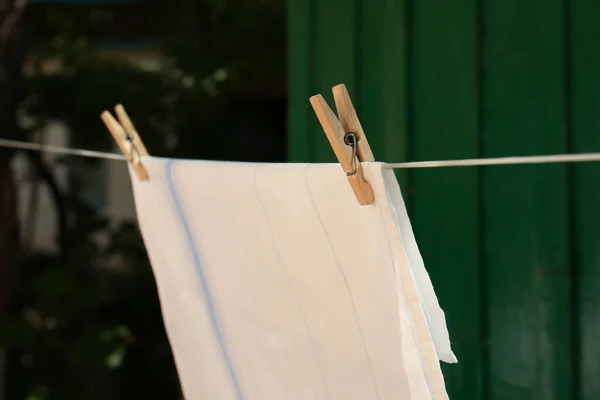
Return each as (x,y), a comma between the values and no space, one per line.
(276,284)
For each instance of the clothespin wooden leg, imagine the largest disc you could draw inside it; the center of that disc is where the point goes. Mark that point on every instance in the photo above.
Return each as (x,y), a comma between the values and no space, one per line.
(128,139)
(351,123)
(130,129)
(347,139)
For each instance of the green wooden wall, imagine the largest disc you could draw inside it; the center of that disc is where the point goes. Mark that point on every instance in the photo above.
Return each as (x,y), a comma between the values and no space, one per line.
(513,251)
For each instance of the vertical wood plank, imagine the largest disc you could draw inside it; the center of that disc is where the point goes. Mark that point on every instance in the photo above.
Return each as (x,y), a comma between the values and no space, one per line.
(335,60)
(445,201)
(300,80)
(526,221)
(383,79)
(585,137)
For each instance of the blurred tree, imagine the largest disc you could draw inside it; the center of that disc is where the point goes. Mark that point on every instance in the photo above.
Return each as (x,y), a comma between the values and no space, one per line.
(11,60)
(81,327)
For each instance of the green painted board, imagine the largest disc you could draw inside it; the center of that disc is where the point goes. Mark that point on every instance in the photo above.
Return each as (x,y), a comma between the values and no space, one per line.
(585,188)
(513,251)
(302,40)
(445,201)
(525,222)
(382,79)
(335,60)
(300,45)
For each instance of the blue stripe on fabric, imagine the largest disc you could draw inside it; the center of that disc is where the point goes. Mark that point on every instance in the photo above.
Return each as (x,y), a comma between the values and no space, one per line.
(208,297)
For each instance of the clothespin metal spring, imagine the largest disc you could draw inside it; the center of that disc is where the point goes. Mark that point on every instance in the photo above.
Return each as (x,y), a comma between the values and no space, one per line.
(350,140)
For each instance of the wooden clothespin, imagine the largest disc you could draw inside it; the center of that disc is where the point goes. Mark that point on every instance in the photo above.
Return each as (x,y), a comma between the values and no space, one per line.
(127,138)
(347,139)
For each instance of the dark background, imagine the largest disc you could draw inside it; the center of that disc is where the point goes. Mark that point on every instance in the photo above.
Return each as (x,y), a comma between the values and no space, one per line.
(210,84)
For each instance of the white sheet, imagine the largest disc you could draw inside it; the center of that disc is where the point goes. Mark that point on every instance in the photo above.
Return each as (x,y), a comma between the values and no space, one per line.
(276,284)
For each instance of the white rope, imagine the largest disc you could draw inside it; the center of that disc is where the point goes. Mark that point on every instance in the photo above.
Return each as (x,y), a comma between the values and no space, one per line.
(559,158)
(59,150)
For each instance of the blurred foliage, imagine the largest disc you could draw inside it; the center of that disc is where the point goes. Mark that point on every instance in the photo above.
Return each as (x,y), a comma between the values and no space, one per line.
(88,323)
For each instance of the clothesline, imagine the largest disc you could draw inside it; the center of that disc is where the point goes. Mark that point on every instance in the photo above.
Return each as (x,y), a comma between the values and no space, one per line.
(546,159)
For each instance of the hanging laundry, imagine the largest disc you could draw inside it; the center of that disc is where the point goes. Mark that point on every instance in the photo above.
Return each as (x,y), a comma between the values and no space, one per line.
(276,284)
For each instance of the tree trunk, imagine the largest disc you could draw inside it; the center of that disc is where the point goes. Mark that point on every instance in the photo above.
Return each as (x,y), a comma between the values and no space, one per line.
(11,63)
